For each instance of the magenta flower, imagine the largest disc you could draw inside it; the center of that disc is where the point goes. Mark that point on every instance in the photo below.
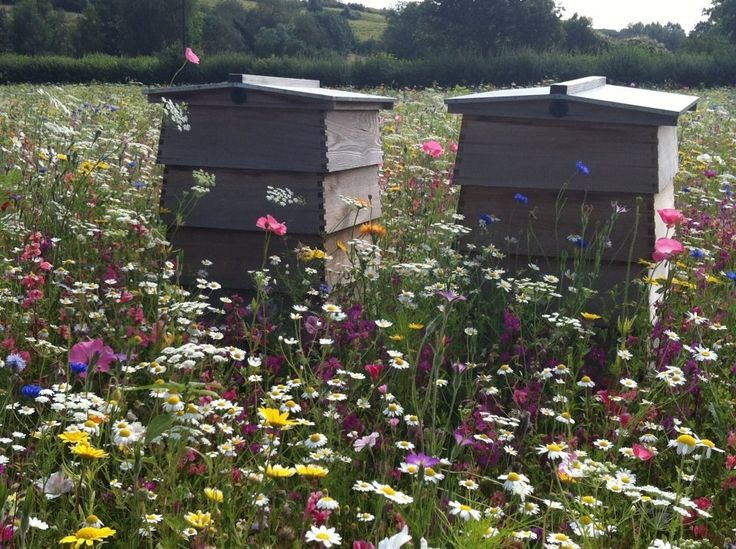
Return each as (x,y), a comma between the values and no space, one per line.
(191,56)
(422,459)
(269,224)
(666,248)
(671,216)
(433,149)
(93,353)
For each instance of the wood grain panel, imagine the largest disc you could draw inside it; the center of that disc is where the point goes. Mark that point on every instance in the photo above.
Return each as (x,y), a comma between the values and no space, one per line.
(234,253)
(353,139)
(359,183)
(610,282)
(247,139)
(542,226)
(544,157)
(239,199)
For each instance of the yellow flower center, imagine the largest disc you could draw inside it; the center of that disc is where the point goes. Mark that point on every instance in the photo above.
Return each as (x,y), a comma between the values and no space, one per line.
(588,499)
(586,520)
(709,443)
(565,415)
(92,519)
(686,440)
(173,400)
(323,536)
(315,438)
(513,477)
(584,379)
(125,433)
(554,447)
(466,508)
(388,491)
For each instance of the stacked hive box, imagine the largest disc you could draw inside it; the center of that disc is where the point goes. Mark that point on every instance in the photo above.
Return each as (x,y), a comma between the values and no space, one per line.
(529,141)
(255,132)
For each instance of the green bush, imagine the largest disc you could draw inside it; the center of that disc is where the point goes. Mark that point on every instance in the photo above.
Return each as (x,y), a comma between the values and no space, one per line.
(524,67)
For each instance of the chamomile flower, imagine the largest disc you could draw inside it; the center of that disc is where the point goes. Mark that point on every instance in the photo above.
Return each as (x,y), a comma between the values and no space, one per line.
(517,483)
(465,512)
(553,450)
(315,440)
(327,537)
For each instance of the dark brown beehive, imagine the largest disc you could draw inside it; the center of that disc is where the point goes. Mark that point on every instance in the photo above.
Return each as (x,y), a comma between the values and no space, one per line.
(255,132)
(529,141)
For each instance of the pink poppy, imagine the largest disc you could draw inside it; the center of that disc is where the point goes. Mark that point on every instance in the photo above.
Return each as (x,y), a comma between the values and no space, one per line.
(368,441)
(433,149)
(93,353)
(641,452)
(671,216)
(191,56)
(666,248)
(270,224)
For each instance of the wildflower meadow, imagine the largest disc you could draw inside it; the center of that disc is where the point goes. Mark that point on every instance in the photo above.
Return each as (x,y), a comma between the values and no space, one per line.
(432,398)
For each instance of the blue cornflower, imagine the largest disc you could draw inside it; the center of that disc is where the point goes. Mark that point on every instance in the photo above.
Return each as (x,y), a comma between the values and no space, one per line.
(325,288)
(138,184)
(697,253)
(487,219)
(16,362)
(582,168)
(521,199)
(78,367)
(31,391)
(731,275)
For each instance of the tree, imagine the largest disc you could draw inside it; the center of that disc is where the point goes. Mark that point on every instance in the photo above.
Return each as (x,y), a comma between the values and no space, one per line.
(225,28)
(483,27)
(580,36)
(722,15)
(672,36)
(149,26)
(30,31)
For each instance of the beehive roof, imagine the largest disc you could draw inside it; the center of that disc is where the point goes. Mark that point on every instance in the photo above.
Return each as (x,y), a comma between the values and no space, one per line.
(647,106)
(303,90)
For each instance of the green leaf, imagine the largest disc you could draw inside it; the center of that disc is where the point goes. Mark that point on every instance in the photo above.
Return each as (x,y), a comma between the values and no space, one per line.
(158,426)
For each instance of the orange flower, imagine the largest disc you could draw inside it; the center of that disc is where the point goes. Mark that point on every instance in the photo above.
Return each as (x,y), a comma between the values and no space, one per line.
(375,229)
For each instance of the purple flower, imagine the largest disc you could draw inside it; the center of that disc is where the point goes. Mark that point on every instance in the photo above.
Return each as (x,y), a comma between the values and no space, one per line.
(55,485)
(451,296)
(93,353)
(422,459)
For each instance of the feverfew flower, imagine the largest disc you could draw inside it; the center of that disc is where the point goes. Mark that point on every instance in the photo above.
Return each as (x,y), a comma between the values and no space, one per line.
(327,537)
(466,512)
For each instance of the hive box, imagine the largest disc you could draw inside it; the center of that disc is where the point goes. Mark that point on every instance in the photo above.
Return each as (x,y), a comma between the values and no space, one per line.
(529,141)
(255,132)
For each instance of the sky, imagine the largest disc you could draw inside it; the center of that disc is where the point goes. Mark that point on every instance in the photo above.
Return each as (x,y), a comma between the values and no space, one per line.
(616,14)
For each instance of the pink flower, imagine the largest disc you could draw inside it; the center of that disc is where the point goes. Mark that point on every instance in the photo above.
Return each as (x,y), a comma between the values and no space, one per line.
(666,248)
(433,149)
(191,56)
(641,452)
(270,224)
(671,216)
(93,353)
(366,441)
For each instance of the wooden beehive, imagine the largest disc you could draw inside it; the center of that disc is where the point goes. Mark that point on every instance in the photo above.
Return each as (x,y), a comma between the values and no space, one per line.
(255,132)
(529,141)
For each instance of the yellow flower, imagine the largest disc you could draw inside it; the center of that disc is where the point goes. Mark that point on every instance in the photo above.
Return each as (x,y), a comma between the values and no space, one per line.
(310,254)
(342,246)
(74,437)
(213,494)
(396,337)
(279,471)
(199,519)
(62,156)
(273,417)
(87,536)
(316,471)
(84,450)
(590,316)
(416,326)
